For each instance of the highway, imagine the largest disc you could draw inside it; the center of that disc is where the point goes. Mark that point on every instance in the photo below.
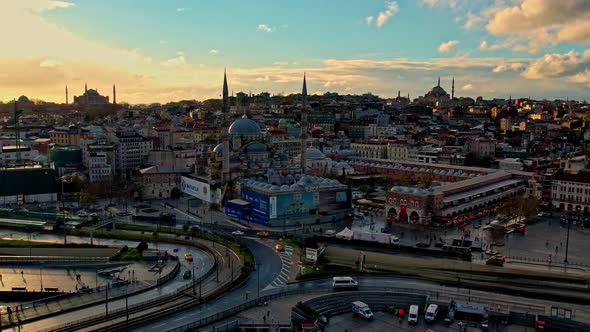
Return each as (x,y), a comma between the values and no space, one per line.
(200,258)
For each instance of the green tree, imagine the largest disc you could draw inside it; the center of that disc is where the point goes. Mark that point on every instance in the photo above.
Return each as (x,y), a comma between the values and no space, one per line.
(142,246)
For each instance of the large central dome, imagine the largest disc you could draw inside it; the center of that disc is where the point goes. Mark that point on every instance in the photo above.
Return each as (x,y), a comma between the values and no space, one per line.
(244,127)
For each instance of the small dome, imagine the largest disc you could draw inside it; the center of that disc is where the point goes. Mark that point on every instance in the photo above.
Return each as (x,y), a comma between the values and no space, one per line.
(92,92)
(150,119)
(244,127)
(218,149)
(255,148)
(23,98)
(314,154)
(137,126)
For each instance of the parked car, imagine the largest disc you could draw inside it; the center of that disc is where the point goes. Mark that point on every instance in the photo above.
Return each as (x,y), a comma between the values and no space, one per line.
(279,247)
(188,256)
(413,315)
(238,233)
(344,283)
(187,275)
(431,313)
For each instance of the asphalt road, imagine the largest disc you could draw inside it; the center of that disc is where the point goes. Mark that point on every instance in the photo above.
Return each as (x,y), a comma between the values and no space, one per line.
(269,265)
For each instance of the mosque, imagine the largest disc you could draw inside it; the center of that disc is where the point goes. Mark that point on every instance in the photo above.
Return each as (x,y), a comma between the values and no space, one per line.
(437,96)
(258,183)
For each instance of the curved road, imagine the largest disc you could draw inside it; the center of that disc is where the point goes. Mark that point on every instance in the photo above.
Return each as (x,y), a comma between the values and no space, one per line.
(200,258)
(269,265)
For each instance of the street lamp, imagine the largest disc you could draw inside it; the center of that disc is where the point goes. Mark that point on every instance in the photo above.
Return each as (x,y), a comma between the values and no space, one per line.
(567,240)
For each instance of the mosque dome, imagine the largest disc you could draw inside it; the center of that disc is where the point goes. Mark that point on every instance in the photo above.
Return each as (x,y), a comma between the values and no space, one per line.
(255,148)
(150,119)
(218,149)
(23,98)
(92,92)
(283,122)
(314,154)
(137,126)
(244,127)
(437,90)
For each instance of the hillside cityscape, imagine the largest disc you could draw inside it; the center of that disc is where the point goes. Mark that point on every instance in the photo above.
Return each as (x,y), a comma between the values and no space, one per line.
(456,197)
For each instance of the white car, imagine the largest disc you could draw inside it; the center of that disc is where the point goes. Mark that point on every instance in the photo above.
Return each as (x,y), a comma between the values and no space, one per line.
(237,233)
(83,214)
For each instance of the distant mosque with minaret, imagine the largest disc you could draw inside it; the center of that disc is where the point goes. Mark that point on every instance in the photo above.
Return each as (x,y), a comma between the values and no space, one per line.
(91,97)
(437,96)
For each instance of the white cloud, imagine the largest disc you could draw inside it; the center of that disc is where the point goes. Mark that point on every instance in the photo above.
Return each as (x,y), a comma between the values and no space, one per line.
(559,65)
(280,63)
(213,52)
(264,78)
(472,21)
(467,87)
(50,63)
(540,22)
(264,27)
(391,8)
(43,5)
(515,66)
(178,60)
(439,3)
(449,46)
(182,9)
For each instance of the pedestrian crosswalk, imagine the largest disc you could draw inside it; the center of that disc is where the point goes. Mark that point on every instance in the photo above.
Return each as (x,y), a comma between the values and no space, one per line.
(283,276)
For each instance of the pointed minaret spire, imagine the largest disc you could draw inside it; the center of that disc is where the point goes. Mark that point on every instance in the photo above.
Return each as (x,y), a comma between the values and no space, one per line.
(114,95)
(85,87)
(453,89)
(438,84)
(399,94)
(225,92)
(66,94)
(304,90)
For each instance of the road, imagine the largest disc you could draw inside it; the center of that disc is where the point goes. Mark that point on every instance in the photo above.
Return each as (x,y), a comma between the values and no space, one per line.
(269,267)
(201,258)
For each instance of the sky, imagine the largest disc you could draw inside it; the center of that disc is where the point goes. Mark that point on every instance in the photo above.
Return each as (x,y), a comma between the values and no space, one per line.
(160,51)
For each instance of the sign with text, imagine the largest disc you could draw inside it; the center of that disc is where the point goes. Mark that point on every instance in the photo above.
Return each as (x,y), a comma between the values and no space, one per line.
(311,253)
(198,189)
(289,250)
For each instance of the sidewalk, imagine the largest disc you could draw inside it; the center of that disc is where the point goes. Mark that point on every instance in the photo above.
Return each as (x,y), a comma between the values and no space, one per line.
(143,280)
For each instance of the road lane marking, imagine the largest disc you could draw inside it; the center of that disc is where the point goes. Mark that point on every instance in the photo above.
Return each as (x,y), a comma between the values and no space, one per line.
(180,318)
(156,326)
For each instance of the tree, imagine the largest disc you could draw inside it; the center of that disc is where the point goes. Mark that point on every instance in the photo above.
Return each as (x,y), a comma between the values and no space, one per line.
(185,227)
(142,246)
(87,197)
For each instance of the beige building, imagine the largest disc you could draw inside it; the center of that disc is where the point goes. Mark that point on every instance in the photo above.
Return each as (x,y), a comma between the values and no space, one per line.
(397,150)
(370,149)
(159,182)
(482,148)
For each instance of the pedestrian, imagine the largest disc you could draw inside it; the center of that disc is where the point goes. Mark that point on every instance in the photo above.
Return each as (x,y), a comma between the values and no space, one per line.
(0,277)
(556,249)
(560,244)
(264,319)
(268,313)
(22,273)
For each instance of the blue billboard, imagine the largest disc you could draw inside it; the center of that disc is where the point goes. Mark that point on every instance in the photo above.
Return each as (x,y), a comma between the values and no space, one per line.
(259,202)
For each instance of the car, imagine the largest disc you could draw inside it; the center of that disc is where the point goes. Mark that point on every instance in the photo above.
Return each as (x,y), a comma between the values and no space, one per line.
(188,256)
(187,275)
(422,245)
(83,214)
(239,233)
(262,234)
(279,247)
(123,214)
(541,214)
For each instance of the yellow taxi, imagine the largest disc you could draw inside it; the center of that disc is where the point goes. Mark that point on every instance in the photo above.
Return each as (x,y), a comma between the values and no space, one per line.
(262,234)
(279,247)
(188,256)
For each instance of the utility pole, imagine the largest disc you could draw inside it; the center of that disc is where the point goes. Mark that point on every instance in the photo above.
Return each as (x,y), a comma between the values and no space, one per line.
(567,240)
(194,290)
(106,303)
(127,306)
(258,279)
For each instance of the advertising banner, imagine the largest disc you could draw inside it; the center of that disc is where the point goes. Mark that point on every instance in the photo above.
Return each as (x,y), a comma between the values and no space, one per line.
(260,202)
(198,189)
(311,253)
(335,200)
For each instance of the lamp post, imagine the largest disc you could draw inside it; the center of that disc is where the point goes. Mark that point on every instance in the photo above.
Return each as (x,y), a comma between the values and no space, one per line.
(567,239)
(258,280)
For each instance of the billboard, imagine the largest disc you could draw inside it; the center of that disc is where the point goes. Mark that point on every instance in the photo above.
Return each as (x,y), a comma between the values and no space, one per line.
(312,254)
(334,200)
(198,189)
(295,204)
(260,202)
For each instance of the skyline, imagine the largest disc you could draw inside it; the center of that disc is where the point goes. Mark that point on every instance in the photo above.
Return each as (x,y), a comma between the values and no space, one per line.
(178,49)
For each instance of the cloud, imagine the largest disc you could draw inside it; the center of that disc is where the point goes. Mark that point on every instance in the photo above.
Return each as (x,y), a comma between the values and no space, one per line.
(559,65)
(213,51)
(50,63)
(178,60)
(280,63)
(264,27)
(264,78)
(449,46)
(467,87)
(439,3)
(472,21)
(391,8)
(540,22)
(44,5)
(182,9)
(515,66)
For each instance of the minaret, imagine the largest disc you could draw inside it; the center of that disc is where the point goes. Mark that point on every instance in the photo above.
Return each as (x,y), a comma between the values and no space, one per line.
(86,96)
(85,87)
(66,94)
(399,94)
(304,126)
(114,96)
(225,93)
(453,89)
(438,84)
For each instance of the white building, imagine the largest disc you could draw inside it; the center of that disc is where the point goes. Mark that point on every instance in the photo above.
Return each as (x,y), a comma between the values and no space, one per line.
(132,150)
(571,192)
(9,155)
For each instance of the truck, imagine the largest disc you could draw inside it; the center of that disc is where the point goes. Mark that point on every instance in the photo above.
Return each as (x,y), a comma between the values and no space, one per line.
(362,309)
(376,237)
